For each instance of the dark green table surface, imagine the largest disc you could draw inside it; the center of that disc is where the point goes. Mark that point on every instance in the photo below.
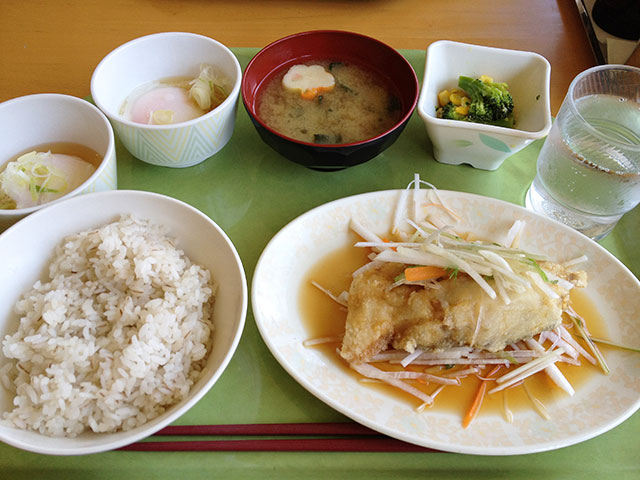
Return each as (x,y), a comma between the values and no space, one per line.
(252,192)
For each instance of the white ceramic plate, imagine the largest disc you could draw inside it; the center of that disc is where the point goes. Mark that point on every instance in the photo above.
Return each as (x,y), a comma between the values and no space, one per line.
(599,405)
(26,248)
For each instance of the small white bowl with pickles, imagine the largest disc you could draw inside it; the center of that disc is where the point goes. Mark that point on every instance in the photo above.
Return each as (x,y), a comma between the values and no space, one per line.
(52,124)
(484,146)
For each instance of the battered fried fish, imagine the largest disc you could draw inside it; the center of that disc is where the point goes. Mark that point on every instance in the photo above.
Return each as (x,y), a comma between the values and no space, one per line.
(456,313)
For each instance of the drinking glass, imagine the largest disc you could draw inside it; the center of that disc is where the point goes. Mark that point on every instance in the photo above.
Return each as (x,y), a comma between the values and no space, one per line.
(588,171)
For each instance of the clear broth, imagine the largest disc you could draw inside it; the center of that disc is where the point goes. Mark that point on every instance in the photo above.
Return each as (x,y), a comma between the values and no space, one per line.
(64,148)
(80,151)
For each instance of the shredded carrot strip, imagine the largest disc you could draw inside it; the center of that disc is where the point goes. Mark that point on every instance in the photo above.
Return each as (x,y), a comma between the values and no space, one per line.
(475,406)
(472,413)
(416,274)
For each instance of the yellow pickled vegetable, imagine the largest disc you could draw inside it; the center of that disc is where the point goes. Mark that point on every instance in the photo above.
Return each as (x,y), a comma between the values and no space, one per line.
(443,98)
(455,99)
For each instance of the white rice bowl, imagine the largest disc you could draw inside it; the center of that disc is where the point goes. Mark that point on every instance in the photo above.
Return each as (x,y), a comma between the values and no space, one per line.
(143,368)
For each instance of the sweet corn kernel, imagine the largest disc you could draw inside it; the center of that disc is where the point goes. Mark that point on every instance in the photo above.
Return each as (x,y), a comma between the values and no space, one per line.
(466,101)
(455,98)
(443,98)
(486,78)
(462,110)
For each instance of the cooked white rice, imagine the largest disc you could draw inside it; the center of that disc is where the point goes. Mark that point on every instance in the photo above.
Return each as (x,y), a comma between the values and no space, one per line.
(119,333)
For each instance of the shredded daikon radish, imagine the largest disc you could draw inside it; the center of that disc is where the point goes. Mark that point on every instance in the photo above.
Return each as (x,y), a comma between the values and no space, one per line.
(502,291)
(552,371)
(456,355)
(420,231)
(557,341)
(537,404)
(544,288)
(478,323)
(575,261)
(322,340)
(514,234)
(526,370)
(566,336)
(561,282)
(416,196)
(414,257)
(463,372)
(569,360)
(366,267)
(455,352)
(333,297)
(450,211)
(399,213)
(437,391)
(382,245)
(506,411)
(434,237)
(495,258)
(408,375)
(464,266)
(365,233)
(461,361)
(370,371)
(410,358)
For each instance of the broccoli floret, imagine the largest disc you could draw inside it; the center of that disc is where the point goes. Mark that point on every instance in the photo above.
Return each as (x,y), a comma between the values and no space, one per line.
(449,112)
(491,102)
(479,113)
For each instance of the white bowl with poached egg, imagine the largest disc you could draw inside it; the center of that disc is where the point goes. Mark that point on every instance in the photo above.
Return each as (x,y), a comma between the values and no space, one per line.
(144,87)
(53,147)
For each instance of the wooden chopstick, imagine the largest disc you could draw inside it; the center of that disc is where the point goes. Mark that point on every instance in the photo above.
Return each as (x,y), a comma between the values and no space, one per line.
(343,437)
(367,444)
(337,428)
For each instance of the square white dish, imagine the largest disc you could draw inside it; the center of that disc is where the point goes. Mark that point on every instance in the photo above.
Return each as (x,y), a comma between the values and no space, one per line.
(485,146)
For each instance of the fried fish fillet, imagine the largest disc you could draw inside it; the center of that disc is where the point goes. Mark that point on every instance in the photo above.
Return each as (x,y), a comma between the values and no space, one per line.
(458,313)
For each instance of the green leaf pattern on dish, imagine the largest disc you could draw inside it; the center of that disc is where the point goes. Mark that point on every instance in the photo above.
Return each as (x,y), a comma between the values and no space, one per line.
(462,143)
(494,143)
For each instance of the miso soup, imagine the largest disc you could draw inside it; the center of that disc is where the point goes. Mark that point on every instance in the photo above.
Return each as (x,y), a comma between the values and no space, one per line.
(359,106)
